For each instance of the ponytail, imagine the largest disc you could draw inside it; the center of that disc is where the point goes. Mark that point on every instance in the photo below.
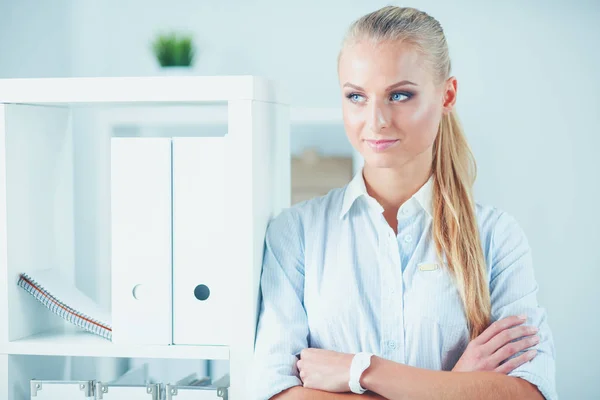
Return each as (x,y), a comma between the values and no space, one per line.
(455,229)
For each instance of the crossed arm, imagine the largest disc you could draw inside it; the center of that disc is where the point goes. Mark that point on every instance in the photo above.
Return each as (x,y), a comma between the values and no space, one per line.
(396,381)
(479,374)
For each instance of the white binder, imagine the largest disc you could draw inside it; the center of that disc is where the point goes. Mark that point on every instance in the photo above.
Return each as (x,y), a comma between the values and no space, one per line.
(201,237)
(141,240)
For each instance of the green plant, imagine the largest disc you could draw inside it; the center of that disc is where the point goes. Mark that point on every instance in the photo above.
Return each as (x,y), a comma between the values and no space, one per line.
(172,49)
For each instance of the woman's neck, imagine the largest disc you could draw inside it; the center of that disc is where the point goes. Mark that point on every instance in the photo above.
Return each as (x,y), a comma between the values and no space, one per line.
(391,187)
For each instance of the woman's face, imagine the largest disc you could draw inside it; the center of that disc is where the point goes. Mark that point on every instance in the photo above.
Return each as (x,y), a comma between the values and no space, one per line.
(391,105)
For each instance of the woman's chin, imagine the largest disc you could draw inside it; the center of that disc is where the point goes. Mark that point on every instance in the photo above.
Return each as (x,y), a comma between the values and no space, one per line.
(381,160)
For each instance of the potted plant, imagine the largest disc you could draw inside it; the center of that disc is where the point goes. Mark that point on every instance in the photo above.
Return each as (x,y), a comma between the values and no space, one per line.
(175,52)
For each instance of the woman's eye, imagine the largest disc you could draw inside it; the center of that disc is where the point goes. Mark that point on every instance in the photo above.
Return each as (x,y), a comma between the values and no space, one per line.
(399,96)
(395,97)
(355,98)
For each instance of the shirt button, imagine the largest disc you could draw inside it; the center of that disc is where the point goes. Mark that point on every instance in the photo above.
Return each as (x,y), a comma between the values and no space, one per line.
(405,211)
(391,235)
(408,238)
(392,344)
(392,290)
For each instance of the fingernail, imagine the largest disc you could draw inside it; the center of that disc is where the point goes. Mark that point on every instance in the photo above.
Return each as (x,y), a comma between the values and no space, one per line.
(522,317)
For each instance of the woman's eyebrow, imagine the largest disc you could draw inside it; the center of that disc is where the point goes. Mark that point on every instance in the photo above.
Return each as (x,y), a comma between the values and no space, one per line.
(395,85)
(401,83)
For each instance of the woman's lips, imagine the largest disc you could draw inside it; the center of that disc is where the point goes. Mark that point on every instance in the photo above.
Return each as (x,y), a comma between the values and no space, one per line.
(380,145)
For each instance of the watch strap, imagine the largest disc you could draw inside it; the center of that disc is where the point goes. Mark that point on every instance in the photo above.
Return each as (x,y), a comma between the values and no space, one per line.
(360,363)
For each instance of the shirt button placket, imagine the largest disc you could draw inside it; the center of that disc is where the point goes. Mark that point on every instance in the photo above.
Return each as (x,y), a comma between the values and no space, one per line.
(393,320)
(387,238)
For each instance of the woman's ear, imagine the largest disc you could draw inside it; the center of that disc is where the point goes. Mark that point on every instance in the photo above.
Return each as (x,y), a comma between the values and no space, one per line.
(450,89)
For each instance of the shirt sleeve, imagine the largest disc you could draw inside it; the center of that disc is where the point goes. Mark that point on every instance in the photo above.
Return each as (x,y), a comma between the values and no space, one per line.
(513,291)
(282,330)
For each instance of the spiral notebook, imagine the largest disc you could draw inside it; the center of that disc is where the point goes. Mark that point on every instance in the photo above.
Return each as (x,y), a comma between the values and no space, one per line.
(53,291)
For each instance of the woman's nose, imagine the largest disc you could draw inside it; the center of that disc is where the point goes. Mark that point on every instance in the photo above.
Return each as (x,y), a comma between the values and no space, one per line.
(379,117)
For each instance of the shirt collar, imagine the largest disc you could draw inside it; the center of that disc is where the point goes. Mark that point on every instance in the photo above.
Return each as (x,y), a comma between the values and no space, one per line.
(357,188)
(424,196)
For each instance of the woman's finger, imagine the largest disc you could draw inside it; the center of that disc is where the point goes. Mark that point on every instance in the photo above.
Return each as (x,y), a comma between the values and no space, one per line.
(513,348)
(497,327)
(507,336)
(516,362)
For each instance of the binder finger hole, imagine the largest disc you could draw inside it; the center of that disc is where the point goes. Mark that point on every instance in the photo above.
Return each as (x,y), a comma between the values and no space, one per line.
(202,292)
(139,292)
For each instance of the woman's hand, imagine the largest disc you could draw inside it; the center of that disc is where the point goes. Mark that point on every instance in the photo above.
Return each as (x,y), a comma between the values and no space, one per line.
(494,345)
(325,370)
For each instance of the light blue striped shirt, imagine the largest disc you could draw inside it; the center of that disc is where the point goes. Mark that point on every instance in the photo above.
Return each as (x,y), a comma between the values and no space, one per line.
(335,276)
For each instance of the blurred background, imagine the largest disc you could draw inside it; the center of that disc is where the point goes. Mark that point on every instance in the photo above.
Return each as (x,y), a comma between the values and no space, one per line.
(528,98)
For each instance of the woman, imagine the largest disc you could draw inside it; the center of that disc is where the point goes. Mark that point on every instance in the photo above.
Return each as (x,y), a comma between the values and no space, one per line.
(399,285)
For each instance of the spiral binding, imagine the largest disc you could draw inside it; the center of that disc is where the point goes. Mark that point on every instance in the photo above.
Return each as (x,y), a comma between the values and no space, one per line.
(67,313)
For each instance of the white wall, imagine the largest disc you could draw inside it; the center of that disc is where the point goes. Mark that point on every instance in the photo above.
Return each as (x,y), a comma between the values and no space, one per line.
(530,107)
(34,38)
(528,97)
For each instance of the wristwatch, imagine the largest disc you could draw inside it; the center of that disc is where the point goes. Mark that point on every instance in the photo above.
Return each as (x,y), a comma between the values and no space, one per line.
(360,363)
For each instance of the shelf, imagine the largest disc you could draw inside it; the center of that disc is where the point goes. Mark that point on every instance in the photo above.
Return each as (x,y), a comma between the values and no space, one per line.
(159,89)
(89,345)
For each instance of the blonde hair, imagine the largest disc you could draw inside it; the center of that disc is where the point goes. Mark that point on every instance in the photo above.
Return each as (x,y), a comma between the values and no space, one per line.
(454,170)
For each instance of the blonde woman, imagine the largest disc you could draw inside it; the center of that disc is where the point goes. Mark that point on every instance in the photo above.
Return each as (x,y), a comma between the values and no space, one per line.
(400,285)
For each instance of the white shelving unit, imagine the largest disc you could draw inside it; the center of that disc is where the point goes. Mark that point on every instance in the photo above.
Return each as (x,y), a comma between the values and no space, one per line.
(55,139)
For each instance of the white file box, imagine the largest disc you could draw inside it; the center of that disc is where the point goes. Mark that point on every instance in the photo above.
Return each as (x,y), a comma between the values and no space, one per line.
(175,392)
(141,240)
(61,390)
(133,385)
(201,238)
(192,388)
(127,392)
